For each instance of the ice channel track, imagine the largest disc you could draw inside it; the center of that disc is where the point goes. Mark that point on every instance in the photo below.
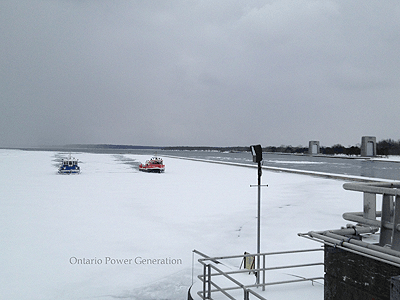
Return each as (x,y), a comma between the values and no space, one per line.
(301,172)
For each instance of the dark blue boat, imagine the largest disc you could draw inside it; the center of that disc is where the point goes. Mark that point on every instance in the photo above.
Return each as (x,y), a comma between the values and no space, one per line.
(69,166)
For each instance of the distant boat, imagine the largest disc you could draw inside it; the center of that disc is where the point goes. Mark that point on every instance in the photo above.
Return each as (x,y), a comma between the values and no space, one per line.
(155,165)
(69,166)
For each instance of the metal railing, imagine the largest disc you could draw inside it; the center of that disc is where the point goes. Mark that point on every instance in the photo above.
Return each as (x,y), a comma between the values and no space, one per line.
(369,221)
(389,222)
(210,271)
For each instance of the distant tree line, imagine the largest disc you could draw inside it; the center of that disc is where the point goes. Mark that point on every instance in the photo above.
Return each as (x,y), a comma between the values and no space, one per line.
(335,149)
(339,149)
(384,147)
(388,147)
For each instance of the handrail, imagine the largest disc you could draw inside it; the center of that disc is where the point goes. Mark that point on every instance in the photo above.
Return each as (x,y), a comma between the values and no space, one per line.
(374,187)
(389,222)
(234,281)
(275,268)
(209,263)
(248,255)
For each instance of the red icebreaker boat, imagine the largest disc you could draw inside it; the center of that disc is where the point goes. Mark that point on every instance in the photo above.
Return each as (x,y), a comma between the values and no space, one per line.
(155,164)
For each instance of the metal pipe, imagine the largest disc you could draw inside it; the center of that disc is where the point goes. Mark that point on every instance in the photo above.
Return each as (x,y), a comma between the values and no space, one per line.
(374,188)
(385,236)
(246,294)
(233,280)
(366,245)
(350,250)
(204,281)
(274,268)
(200,253)
(345,231)
(209,281)
(312,279)
(360,249)
(256,295)
(396,221)
(227,276)
(263,287)
(206,278)
(378,184)
(358,217)
(215,258)
(354,230)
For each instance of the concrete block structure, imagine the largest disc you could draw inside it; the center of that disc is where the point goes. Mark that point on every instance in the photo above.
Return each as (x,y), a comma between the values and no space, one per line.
(368,146)
(352,276)
(395,288)
(313,147)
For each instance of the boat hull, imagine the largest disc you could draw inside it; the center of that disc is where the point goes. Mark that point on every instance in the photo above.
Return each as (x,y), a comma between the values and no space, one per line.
(154,165)
(69,171)
(152,169)
(69,166)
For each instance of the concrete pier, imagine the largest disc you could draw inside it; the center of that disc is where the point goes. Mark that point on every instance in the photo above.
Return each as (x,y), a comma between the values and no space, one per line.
(368,146)
(313,147)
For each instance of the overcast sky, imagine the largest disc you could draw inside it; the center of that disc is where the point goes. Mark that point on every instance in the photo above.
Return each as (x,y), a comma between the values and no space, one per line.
(211,73)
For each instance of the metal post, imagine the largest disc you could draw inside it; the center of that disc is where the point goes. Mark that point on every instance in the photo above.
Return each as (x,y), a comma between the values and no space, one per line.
(209,281)
(246,294)
(370,206)
(396,225)
(263,288)
(259,223)
(385,238)
(204,280)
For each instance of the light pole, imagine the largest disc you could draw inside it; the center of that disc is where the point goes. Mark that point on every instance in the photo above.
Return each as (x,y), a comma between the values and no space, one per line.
(256,150)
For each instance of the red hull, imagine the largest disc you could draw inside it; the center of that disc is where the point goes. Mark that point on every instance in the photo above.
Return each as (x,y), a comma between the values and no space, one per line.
(154,165)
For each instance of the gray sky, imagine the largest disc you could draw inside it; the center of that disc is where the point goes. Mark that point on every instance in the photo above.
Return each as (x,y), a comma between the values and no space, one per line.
(212,73)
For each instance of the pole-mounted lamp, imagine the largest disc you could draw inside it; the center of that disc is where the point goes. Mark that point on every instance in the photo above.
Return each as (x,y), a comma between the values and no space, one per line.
(256,151)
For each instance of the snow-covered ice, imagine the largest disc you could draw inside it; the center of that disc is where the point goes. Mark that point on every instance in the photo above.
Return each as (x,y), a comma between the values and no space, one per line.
(112,211)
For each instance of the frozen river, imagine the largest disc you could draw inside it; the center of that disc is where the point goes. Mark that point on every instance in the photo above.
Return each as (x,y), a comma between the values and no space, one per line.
(385,168)
(379,167)
(86,236)
(372,167)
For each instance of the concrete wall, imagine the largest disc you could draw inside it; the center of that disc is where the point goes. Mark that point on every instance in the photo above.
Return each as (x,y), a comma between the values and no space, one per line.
(313,147)
(354,277)
(395,288)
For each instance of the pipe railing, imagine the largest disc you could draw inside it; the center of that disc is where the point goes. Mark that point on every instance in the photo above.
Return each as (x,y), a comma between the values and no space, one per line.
(388,219)
(369,221)
(209,264)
